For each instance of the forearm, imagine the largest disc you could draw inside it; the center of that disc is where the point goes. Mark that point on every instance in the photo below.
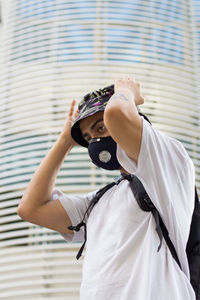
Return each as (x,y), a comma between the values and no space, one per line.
(122,119)
(41,185)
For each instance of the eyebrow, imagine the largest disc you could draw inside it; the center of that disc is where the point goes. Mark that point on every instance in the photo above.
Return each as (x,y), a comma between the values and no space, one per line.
(92,127)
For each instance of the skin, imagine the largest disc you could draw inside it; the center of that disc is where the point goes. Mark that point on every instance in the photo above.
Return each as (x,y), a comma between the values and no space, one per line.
(120,116)
(93,127)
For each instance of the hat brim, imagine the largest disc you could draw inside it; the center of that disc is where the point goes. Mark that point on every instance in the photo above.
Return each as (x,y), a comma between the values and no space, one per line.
(76,131)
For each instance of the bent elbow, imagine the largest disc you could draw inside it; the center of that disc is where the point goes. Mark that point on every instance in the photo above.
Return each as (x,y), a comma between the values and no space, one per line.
(24,212)
(21,211)
(111,115)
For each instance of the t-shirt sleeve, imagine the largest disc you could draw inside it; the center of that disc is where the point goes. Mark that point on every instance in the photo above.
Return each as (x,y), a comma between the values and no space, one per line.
(167,174)
(75,207)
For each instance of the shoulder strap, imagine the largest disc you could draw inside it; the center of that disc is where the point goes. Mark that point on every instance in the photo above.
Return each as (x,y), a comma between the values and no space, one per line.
(146,204)
(94,201)
(196,196)
(194,235)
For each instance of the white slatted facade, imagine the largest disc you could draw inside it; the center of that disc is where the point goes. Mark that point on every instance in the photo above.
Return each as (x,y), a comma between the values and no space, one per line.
(54,51)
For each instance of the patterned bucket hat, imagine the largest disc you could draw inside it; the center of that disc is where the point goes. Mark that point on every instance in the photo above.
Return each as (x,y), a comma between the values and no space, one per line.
(90,105)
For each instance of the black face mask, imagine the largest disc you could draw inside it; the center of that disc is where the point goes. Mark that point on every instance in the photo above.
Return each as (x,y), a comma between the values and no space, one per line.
(102,152)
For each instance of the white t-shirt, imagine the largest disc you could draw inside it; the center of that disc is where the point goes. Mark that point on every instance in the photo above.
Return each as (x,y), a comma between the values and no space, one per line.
(121,259)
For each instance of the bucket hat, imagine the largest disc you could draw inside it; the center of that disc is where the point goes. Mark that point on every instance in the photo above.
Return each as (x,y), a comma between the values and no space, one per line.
(90,104)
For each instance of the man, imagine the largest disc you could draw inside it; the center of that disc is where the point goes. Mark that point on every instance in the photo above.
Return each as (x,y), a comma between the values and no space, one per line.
(121,259)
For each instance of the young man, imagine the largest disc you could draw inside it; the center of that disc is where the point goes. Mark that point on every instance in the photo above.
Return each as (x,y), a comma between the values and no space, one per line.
(121,259)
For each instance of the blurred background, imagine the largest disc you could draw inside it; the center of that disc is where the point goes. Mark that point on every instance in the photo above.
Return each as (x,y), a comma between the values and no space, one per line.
(53,51)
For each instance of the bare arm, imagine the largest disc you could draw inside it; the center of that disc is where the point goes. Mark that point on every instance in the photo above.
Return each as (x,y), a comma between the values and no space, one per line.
(122,119)
(36,205)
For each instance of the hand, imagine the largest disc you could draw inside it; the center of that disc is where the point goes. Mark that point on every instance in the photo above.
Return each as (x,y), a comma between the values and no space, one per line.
(71,117)
(129,85)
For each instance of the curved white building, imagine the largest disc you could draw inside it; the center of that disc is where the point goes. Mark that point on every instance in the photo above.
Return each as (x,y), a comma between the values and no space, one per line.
(53,51)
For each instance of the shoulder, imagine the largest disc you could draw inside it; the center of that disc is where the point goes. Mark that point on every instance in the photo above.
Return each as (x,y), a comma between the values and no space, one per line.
(76,199)
(158,151)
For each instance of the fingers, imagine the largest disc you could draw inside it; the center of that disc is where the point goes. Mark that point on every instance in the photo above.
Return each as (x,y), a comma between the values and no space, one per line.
(76,113)
(126,80)
(129,83)
(71,108)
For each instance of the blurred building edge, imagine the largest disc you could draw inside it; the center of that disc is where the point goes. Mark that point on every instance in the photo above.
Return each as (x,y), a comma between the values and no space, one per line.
(53,51)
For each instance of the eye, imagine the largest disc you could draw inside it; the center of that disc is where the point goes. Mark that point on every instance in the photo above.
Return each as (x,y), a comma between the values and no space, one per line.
(101,128)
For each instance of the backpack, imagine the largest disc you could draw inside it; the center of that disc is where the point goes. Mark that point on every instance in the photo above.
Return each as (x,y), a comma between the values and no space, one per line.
(145,203)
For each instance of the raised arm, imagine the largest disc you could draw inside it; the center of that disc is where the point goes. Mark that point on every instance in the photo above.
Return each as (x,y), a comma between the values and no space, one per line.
(122,119)
(36,205)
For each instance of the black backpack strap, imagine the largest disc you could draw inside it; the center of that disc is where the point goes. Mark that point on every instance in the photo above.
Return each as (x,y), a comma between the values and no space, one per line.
(193,247)
(196,196)
(146,204)
(194,236)
(94,201)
